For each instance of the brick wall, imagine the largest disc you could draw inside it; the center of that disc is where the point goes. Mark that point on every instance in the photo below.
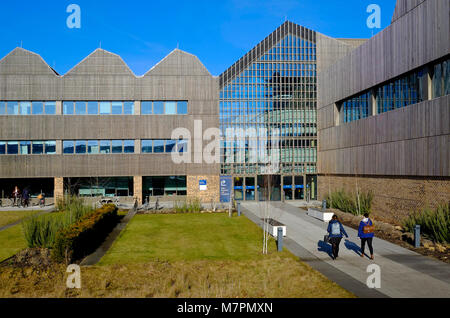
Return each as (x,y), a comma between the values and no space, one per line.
(394,197)
(212,192)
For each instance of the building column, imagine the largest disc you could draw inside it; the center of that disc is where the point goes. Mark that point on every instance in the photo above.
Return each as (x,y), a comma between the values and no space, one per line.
(58,191)
(59,108)
(137,188)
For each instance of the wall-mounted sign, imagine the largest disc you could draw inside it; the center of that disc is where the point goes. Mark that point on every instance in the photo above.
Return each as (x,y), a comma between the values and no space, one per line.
(203,185)
(225,188)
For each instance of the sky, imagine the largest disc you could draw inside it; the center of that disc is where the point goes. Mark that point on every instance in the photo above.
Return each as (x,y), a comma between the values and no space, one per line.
(143,32)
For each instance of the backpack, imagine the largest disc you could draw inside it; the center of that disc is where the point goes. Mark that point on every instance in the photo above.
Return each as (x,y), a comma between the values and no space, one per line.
(335,228)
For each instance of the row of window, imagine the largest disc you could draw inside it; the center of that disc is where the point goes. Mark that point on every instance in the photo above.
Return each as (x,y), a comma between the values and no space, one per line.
(122,146)
(27,108)
(406,90)
(94,108)
(28,147)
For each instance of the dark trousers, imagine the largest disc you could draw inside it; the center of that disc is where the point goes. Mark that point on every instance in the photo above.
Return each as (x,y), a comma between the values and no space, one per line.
(369,243)
(335,241)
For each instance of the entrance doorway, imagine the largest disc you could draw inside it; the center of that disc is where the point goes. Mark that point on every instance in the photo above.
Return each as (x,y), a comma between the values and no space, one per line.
(269,188)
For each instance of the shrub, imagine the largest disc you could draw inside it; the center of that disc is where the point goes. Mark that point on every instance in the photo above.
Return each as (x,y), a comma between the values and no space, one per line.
(346,203)
(192,205)
(434,224)
(40,231)
(84,236)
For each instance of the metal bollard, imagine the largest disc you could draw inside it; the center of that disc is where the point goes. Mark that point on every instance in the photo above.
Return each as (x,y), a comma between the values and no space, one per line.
(239,208)
(280,239)
(324,205)
(417,236)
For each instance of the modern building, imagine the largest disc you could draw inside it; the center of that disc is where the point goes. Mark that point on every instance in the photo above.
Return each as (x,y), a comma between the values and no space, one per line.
(384,114)
(101,130)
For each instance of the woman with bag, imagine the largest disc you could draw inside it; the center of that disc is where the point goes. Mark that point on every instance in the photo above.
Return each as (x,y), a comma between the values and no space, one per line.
(335,230)
(365,233)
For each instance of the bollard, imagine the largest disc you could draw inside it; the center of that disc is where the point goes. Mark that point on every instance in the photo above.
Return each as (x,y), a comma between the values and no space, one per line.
(324,205)
(417,236)
(239,208)
(280,239)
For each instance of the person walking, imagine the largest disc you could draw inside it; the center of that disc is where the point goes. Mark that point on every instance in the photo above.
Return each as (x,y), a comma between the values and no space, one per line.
(15,195)
(335,231)
(365,233)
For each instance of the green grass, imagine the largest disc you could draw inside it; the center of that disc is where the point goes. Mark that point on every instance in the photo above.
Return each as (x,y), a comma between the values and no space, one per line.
(12,241)
(9,217)
(187,237)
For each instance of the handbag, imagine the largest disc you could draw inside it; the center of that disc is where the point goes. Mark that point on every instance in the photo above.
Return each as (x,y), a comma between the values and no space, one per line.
(369,229)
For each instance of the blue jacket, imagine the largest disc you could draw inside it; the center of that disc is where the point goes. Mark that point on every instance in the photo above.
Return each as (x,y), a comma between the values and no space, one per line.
(361,233)
(341,227)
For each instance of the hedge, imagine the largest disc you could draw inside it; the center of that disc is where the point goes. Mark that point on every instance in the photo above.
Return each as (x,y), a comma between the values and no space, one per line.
(83,237)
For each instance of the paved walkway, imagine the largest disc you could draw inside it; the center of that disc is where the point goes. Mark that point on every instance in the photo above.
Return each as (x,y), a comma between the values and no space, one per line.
(95,257)
(404,273)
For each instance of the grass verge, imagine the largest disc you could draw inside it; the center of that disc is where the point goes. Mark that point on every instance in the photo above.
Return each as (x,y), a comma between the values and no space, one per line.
(9,217)
(12,241)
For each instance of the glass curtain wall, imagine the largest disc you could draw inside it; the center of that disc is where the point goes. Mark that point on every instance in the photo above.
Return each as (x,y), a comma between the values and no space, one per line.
(271,89)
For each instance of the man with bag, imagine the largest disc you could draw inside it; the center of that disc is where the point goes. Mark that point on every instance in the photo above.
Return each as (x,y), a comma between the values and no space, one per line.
(335,230)
(366,234)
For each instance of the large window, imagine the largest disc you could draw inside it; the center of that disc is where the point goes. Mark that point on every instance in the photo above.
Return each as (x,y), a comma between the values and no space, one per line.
(26,147)
(96,107)
(163,146)
(27,108)
(441,79)
(356,107)
(164,107)
(164,186)
(98,146)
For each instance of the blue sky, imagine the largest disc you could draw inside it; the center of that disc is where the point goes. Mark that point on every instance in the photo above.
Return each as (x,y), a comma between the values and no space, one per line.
(142,32)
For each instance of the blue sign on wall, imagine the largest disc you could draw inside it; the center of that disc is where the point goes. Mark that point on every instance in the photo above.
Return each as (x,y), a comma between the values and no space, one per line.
(225,188)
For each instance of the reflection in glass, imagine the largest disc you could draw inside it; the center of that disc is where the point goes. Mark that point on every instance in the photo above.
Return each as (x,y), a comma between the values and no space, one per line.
(158,146)
(92,108)
(93,147)
(158,108)
(50,108)
(105,146)
(105,108)
(68,147)
(13,147)
(147,146)
(12,108)
(50,147)
(171,108)
(25,108)
(182,108)
(116,146)
(146,108)
(128,146)
(68,108)
(80,108)
(38,108)
(80,146)
(38,147)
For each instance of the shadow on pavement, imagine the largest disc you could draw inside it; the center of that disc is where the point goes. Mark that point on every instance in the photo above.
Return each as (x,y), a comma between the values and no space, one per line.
(325,247)
(353,247)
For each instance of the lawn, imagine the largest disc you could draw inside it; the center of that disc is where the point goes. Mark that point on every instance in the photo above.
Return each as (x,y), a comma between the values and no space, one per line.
(176,237)
(12,241)
(8,217)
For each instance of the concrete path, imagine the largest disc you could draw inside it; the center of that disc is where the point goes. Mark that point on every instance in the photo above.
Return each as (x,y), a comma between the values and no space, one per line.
(43,211)
(95,257)
(404,273)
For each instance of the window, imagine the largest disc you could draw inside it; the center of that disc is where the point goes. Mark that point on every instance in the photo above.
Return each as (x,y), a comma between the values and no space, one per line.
(158,146)
(105,146)
(128,108)
(116,108)
(12,108)
(80,108)
(158,108)
(116,146)
(441,79)
(92,108)
(50,147)
(50,108)
(105,108)
(38,108)
(2,147)
(128,146)
(182,108)
(171,108)
(25,108)
(171,145)
(68,147)
(25,147)
(13,147)
(146,108)
(38,147)
(147,146)
(93,147)
(2,108)
(68,108)
(80,147)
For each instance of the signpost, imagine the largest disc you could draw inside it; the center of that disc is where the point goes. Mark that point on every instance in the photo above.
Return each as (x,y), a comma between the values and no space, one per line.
(225,189)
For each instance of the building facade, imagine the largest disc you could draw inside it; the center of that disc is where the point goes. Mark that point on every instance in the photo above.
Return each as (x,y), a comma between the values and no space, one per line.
(99,130)
(384,114)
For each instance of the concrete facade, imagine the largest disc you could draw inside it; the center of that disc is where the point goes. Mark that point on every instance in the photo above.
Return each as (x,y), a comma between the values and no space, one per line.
(399,153)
